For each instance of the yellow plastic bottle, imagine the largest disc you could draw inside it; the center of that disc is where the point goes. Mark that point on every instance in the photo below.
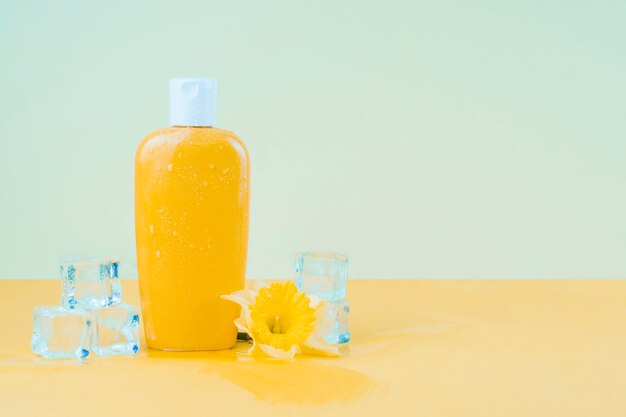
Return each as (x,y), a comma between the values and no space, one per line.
(191,223)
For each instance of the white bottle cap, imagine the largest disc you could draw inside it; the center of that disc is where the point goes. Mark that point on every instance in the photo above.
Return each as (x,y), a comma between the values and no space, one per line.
(192,101)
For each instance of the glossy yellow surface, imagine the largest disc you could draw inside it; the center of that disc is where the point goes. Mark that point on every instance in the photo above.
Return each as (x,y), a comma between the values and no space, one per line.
(420,348)
(191,226)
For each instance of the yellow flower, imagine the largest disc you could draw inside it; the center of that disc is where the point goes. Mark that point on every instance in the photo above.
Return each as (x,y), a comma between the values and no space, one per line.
(281,316)
(283,321)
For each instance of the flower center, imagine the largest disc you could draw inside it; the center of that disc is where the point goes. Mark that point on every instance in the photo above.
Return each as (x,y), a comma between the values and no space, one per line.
(281,316)
(277,326)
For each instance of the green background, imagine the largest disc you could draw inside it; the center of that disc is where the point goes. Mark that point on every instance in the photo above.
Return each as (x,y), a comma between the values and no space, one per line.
(426,139)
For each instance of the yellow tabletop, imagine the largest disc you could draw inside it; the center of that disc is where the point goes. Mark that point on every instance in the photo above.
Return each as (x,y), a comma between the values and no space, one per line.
(419,348)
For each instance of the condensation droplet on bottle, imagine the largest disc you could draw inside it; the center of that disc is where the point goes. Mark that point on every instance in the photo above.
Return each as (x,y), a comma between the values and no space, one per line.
(158,253)
(180,155)
(151,229)
(211,166)
(191,245)
(174,232)
(170,167)
(205,183)
(225,170)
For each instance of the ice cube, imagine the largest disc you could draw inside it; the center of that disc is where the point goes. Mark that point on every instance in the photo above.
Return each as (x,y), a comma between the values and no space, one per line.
(116,330)
(338,328)
(90,283)
(323,274)
(61,333)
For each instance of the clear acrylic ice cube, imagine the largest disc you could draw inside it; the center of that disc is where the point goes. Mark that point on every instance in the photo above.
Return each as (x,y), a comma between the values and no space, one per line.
(61,333)
(116,330)
(90,283)
(323,274)
(338,326)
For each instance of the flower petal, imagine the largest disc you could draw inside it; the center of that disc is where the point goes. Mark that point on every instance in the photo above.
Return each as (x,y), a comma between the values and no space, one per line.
(241,325)
(253,348)
(318,346)
(323,322)
(257,284)
(279,353)
(243,297)
(315,301)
